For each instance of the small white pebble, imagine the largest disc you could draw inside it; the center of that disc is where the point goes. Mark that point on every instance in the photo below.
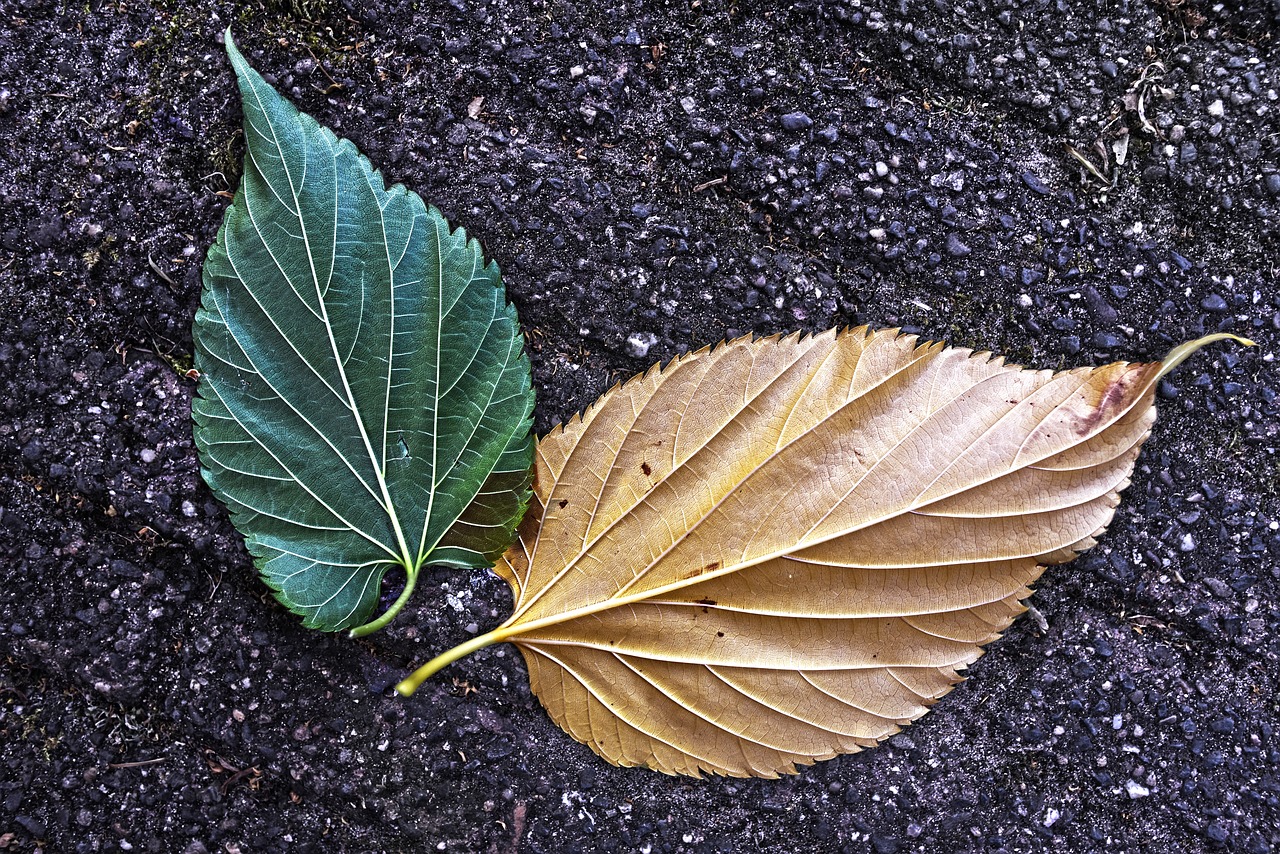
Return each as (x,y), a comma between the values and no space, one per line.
(638,344)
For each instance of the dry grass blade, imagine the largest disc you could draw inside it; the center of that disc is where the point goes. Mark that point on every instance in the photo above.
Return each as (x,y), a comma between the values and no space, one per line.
(776,551)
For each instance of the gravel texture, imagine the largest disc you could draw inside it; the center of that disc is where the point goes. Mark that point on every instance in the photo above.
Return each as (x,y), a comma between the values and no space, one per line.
(652,178)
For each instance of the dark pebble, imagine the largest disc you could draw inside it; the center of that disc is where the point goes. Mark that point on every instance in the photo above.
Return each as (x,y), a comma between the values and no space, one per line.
(885,844)
(796,121)
(31,825)
(500,748)
(1213,302)
(1218,587)
(1033,181)
(1098,306)
(956,247)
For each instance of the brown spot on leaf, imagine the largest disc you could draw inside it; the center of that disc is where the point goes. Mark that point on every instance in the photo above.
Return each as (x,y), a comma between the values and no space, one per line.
(711,567)
(564,502)
(644,467)
(1102,405)
(719,634)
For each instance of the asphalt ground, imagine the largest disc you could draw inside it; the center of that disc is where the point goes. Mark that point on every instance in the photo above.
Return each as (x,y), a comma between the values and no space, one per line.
(651,178)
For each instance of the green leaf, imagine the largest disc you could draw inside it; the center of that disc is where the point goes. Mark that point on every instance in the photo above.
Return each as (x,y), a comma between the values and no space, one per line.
(365,400)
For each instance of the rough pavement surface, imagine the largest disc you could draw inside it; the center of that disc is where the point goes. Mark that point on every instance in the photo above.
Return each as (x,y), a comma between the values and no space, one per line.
(652,177)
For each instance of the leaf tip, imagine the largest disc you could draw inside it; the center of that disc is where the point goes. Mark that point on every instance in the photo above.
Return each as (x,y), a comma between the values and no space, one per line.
(247,77)
(229,44)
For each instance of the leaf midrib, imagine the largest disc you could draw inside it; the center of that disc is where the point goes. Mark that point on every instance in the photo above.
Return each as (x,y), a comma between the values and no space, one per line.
(378,469)
(511,628)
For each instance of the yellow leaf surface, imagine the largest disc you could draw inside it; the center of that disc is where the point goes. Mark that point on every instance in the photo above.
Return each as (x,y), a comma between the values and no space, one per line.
(780,550)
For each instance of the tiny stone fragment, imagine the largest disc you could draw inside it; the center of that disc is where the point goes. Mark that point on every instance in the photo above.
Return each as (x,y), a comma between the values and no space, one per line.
(796,121)
(638,344)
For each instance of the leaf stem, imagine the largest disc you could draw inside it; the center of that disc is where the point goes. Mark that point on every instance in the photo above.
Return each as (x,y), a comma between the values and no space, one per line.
(1180,353)
(435,665)
(410,580)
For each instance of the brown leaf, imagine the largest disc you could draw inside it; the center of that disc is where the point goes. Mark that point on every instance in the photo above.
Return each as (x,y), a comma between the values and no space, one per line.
(777,551)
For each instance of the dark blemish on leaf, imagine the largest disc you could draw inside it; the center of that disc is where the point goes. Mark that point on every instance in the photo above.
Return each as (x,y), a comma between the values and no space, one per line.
(563,503)
(706,601)
(719,634)
(1112,399)
(644,467)
(711,567)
